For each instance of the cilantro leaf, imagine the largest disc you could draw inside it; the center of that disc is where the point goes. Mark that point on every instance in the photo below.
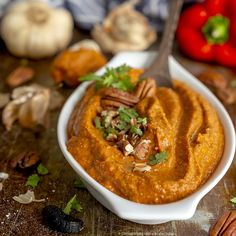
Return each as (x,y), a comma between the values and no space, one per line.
(97,122)
(32,181)
(142,121)
(42,170)
(233,200)
(136,130)
(73,204)
(126,114)
(157,158)
(113,77)
(121,125)
(90,77)
(79,184)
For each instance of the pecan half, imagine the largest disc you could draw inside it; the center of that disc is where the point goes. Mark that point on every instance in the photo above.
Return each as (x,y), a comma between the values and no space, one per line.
(113,97)
(213,79)
(225,225)
(19,76)
(25,159)
(146,88)
(142,148)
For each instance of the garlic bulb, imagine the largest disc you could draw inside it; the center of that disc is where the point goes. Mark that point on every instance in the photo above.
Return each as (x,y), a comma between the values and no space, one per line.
(124,29)
(33,29)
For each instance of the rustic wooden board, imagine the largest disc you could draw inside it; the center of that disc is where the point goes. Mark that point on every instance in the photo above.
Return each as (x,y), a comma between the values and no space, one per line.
(57,188)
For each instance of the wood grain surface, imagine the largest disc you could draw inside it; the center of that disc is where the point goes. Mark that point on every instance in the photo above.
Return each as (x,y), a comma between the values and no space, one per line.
(57,187)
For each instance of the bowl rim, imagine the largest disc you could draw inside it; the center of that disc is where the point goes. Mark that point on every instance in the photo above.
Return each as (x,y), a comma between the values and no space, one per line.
(137,211)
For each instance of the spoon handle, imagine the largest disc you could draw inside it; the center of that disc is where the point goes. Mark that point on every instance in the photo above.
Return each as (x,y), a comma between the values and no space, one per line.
(160,64)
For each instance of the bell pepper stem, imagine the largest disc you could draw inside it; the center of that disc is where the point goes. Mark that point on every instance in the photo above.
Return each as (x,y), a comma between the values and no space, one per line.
(216,29)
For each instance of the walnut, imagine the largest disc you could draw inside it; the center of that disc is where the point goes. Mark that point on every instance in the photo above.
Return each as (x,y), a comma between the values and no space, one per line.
(225,225)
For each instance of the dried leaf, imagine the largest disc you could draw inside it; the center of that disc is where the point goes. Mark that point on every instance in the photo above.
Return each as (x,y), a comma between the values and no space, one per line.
(1,186)
(27,198)
(4,175)
(4,99)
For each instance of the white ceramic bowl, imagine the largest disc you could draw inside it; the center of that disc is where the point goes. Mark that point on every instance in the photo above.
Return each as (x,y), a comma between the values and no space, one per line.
(144,213)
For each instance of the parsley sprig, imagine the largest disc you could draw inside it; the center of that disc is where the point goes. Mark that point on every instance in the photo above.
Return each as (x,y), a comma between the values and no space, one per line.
(157,158)
(113,77)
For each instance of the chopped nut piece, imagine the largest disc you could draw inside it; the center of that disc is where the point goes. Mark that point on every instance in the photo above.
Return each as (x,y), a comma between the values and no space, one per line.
(125,146)
(19,76)
(141,167)
(142,148)
(129,149)
(111,137)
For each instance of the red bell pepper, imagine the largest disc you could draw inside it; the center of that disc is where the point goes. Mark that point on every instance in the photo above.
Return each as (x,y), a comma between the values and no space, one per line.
(207,32)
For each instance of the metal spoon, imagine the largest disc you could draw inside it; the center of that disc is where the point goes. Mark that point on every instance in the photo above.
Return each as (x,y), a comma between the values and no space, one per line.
(159,69)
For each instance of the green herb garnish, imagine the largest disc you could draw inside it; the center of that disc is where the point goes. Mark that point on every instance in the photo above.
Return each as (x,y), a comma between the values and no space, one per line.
(136,130)
(32,180)
(113,77)
(73,204)
(233,200)
(79,184)
(97,122)
(42,170)
(157,158)
(126,114)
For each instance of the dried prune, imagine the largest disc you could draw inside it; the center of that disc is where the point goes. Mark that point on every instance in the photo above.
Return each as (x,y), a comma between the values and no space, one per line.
(57,220)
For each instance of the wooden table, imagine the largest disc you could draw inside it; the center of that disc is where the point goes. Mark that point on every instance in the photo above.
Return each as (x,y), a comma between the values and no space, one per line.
(57,188)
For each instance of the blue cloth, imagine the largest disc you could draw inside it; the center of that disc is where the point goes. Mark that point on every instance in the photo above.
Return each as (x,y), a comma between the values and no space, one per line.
(87,13)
